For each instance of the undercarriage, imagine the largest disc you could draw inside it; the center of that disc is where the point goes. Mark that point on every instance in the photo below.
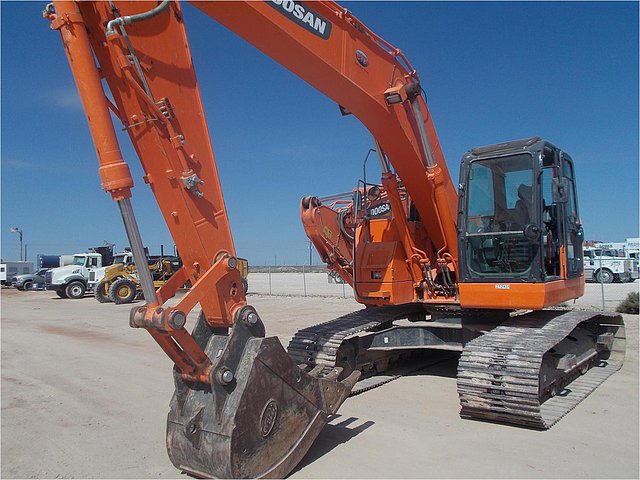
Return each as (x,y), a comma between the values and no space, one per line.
(525,369)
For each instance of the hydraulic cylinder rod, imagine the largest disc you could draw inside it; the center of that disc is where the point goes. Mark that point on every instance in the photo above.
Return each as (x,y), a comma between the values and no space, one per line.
(137,249)
(384,166)
(424,138)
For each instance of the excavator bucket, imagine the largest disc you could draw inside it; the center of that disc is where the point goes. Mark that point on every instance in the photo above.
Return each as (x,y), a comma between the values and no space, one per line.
(257,421)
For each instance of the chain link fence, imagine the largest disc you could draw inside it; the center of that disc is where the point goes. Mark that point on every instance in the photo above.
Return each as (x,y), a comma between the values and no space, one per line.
(314,281)
(306,281)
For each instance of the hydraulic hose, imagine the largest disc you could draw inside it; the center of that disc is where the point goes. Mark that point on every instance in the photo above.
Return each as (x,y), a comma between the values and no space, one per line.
(341,217)
(129,19)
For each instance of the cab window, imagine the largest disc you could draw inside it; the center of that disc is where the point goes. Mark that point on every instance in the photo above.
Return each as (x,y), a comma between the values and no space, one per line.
(499,206)
(574,229)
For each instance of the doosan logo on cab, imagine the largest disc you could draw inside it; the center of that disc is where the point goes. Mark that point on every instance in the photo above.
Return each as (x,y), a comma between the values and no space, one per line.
(380,209)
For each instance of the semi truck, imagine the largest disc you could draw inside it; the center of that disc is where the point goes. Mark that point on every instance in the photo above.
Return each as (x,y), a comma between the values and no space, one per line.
(629,249)
(72,280)
(605,266)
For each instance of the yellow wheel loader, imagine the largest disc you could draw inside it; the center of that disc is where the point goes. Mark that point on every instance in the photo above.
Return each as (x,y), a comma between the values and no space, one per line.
(120,283)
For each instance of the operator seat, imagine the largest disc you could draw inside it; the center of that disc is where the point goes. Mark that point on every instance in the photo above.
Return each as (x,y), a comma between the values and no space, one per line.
(522,210)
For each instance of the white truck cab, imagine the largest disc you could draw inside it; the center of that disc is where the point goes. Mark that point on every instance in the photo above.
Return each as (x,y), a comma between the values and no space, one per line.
(71,281)
(630,249)
(601,266)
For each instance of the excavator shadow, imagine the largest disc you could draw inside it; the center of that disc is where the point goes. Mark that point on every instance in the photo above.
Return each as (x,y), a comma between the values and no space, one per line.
(335,433)
(434,363)
(340,430)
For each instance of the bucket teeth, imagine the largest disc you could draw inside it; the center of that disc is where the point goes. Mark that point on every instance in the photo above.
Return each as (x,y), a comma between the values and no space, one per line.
(333,374)
(316,371)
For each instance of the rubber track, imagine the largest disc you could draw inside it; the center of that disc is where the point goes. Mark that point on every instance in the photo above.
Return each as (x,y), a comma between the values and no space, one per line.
(498,373)
(318,344)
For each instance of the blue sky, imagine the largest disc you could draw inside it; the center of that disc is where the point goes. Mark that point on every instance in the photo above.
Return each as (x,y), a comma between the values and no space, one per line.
(567,72)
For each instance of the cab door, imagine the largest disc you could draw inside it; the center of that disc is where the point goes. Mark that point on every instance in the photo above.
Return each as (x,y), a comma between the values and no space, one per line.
(573,234)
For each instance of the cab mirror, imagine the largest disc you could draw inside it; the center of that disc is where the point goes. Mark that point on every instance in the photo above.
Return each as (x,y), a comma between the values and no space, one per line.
(560,190)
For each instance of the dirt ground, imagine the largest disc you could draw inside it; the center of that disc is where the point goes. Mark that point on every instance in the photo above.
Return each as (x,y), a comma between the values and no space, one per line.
(84,395)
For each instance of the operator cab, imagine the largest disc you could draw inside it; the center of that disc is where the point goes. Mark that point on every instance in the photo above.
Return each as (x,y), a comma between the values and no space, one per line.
(518,223)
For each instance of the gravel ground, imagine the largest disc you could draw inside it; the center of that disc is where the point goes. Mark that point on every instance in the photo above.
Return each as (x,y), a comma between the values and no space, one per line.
(84,395)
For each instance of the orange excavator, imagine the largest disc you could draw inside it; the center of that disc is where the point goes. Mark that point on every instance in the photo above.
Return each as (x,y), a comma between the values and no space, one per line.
(472,271)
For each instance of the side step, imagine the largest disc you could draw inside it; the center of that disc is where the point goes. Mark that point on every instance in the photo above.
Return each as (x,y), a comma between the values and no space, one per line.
(535,368)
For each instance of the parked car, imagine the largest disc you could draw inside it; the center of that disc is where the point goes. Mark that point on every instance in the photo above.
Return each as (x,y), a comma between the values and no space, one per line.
(26,281)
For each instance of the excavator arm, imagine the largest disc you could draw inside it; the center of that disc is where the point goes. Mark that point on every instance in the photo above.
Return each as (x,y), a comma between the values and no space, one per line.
(143,55)
(241,407)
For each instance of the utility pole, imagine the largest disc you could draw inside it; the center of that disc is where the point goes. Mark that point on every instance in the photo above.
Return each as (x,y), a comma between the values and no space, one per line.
(310,252)
(19,232)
